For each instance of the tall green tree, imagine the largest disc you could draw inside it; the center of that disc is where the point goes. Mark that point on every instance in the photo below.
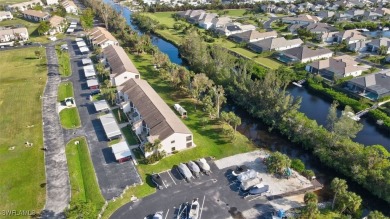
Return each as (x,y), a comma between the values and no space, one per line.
(86,19)
(339,187)
(219,96)
(383,50)
(277,163)
(44,27)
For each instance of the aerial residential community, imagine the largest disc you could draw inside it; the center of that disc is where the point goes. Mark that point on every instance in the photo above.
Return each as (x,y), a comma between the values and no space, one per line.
(150,109)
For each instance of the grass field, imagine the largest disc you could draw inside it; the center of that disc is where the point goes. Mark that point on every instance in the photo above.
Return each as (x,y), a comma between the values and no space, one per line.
(82,174)
(31,27)
(230,12)
(70,118)
(22,173)
(6,2)
(130,136)
(64,62)
(177,37)
(209,139)
(65,89)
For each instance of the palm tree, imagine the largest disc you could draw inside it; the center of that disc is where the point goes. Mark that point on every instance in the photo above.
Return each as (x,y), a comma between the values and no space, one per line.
(310,197)
(339,186)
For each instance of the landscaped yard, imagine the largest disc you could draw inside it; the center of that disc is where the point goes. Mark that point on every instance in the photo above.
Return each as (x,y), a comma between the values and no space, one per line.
(130,136)
(120,117)
(177,37)
(230,12)
(22,174)
(82,174)
(31,27)
(70,118)
(208,139)
(6,2)
(64,62)
(65,89)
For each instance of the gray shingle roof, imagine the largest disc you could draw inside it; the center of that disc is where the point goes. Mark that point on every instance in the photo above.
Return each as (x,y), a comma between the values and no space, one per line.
(118,60)
(379,82)
(304,52)
(161,120)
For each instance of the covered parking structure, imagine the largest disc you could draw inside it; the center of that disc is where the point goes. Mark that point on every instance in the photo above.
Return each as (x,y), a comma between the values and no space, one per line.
(84,49)
(122,152)
(81,44)
(110,126)
(89,71)
(101,105)
(86,61)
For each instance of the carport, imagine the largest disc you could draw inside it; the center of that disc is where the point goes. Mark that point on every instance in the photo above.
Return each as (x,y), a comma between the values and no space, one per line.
(84,49)
(79,39)
(89,71)
(101,105)
(86,61)
(81,44)
(70,30)
(110,126)
(122,152)
(93,84)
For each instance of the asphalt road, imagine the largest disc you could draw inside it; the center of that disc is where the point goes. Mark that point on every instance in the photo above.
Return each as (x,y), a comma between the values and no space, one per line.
(57,176)
(112,176)
(218,195)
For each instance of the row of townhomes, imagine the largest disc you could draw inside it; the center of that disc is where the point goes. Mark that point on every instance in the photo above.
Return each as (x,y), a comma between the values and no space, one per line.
(151,118)
(318,56)
(69,5)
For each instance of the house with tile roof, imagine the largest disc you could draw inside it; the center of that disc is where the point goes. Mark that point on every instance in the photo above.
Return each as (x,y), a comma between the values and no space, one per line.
(350,36)
(152,118)
(57,24)
(301,19)
(23,5)
(336,67)
(375,45)
(5,15)
(122,68)
(305,54)
(70,7)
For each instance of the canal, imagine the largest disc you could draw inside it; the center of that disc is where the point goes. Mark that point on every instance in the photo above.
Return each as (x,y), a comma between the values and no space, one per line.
(314,107)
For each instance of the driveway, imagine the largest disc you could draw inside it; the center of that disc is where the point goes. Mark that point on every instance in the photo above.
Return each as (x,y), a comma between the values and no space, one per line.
(57,176)
(267,24)
(112,176)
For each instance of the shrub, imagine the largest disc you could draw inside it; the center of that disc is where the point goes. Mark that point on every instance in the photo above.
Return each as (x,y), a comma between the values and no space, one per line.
(309,174)
(298,165)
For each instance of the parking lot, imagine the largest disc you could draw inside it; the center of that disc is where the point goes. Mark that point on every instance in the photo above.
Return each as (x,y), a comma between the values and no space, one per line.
(219,193)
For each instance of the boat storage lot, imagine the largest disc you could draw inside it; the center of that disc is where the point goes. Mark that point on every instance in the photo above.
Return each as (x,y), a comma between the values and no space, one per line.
(218,194)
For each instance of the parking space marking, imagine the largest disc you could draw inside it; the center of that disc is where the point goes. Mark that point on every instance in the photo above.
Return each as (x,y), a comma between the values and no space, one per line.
(171,177)
(166,214)
(201,208)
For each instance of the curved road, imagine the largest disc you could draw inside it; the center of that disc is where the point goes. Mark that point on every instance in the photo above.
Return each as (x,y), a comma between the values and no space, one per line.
(57,175)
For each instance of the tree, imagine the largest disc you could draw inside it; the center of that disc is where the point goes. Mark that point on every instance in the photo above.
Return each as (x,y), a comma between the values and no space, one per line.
(339,187)
(152,147)
(383,50)
(298,165)
(277,163)
(100,68)
(44,27)
(97,51)
(200,83)
(38,54)
(81,209)
(220,98)
(160,59)
(86,19)
(236,121)
(376,215)
(311,208)
(204,121)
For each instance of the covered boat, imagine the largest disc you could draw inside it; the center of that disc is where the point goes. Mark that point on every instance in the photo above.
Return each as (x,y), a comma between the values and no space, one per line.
(204,165)
(194,168)
(239,170)
(185,171)
(245,176)
(194,211)
(259,189)
(249,183)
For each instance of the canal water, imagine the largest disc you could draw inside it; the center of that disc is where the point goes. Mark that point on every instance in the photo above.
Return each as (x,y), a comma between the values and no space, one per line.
(314,107)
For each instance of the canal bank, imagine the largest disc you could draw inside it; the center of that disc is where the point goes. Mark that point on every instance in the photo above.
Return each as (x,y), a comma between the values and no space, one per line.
(268,138)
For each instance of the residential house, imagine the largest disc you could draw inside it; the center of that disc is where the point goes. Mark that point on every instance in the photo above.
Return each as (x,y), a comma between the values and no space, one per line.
(356,13)
(220,22)
(372,86)
(327,37)
(207,21)
(350,36)
(359,46)
(268,8)
(342,16)
(316,28)
(8,36)
(52,2)
(122,68)
(58,24)
(23,5)
(317,7)
(152,118)
(325,14)
(336,67)
(375,44)
(301,19)
(234,28)
(274,44)
(5,15)
(304,54)
(372,15)
(70,7)
(192,16)
(99,36)
(36,16)
(253,36)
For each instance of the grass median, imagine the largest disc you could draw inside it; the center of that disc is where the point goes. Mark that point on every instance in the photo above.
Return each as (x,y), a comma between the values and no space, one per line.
(83,180)
(63,62)
(70,118)
(22,174)
(65,89)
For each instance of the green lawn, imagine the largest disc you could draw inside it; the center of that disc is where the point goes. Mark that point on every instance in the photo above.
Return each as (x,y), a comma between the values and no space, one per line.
(22,174)
(209,140)
(64,62)
(82,174)
(130,136)
(230,12)
(65,89)
(31,27)
(6,2)
(70,118)
(177,37)
(97,97)
(122,115)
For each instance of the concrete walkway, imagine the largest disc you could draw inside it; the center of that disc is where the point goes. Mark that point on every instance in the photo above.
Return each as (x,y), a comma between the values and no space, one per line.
(57,176)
